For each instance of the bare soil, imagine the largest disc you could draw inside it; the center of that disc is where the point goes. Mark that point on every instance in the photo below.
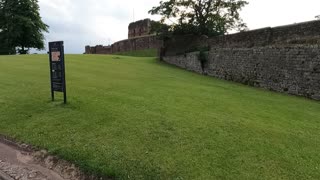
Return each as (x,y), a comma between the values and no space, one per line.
(23,162)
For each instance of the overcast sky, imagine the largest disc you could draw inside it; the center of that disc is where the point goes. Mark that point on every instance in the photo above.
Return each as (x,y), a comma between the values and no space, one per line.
(92,22)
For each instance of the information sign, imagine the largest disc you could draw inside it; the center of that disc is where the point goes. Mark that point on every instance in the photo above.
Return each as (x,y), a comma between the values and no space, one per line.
(57,69)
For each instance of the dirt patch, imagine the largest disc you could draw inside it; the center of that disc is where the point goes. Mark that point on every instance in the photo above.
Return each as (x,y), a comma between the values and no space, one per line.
(22,161)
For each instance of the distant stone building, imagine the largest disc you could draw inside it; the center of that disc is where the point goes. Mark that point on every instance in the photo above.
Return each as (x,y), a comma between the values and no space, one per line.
(99,49)
(139,28)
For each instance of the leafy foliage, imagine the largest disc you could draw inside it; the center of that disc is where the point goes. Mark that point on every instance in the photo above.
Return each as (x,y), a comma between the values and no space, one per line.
(159,28)
(201,17)
(21,26)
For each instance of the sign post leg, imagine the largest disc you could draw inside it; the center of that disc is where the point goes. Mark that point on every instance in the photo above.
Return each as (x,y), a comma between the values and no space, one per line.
(52,95)
(65,97)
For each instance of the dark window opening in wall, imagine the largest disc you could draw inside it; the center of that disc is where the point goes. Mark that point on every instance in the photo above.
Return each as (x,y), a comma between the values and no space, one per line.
(139,32)
(134,32)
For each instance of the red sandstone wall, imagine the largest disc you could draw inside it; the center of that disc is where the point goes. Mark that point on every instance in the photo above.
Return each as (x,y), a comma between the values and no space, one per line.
(139,28)
(295,34)
(140,43)
(284,59)
(147,42)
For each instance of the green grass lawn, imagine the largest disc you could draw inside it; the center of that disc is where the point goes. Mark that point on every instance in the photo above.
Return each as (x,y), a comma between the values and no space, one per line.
(137,118)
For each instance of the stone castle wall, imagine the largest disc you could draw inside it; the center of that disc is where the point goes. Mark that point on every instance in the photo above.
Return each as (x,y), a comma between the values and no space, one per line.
(292,69)
(139,38)
(283,59)
(133,44)
(99,49)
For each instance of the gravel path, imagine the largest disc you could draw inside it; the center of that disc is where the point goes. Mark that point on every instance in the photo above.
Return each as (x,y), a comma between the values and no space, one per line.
(20,161)
(19,172)
(19,165)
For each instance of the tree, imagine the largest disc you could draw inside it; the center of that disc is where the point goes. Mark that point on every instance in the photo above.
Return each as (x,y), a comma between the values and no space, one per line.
(159,28)
(201,17)
(5,48)
(318,17)
(21,26)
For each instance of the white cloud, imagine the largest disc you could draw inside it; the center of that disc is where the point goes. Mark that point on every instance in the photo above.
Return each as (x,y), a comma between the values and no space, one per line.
(264,13)
(91,22)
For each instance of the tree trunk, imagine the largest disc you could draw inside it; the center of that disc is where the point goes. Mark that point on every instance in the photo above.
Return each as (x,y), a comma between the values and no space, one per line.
(23,51)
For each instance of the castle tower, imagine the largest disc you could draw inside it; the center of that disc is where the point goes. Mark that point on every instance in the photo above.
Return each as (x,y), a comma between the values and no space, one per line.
(139,28)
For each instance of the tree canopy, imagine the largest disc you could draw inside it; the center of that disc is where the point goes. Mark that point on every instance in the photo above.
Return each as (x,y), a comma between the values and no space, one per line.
(21,26)
(201,17)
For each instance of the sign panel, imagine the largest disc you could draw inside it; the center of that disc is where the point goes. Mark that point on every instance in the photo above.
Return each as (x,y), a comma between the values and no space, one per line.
(57,69)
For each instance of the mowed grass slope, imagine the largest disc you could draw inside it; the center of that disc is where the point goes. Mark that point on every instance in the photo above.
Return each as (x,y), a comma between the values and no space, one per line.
(137,118)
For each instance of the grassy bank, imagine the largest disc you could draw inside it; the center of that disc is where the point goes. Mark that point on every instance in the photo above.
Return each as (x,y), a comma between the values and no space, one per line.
(137,118)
